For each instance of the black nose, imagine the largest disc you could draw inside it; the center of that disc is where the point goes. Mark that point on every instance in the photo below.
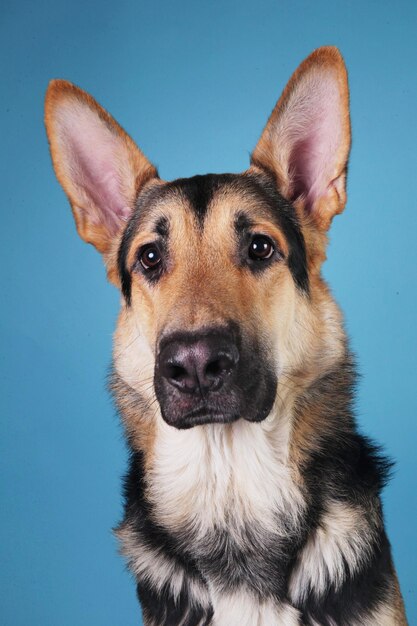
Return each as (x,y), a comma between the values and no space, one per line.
(198,363)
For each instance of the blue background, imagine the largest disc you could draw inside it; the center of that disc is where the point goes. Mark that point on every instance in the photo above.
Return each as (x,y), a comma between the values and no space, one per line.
(193,83)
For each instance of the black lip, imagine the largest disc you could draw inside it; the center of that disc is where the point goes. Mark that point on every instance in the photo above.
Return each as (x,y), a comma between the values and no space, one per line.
(203,415)
(185,423)
(199,416)
(219,412)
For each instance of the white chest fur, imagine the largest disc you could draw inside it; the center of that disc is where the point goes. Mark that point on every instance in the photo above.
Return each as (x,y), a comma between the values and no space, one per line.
(222,475)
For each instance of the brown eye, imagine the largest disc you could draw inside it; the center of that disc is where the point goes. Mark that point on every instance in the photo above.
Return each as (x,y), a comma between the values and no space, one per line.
(261,248)
(150,257)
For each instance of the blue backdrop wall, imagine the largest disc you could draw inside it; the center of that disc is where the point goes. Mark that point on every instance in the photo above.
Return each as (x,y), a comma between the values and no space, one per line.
(193,83)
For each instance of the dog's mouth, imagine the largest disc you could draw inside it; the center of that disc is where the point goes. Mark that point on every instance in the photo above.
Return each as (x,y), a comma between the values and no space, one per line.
(199,417)
(220,408)
(187,410)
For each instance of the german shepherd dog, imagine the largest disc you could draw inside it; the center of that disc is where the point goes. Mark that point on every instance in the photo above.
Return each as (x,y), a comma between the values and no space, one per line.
(251,498)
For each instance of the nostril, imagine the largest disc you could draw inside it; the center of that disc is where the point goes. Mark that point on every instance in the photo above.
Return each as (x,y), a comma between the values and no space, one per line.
(213,369)
(217,367)
(175,372)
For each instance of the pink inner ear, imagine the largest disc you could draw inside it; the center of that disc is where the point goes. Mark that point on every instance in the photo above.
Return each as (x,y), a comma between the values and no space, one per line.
(97,164)
(312,124)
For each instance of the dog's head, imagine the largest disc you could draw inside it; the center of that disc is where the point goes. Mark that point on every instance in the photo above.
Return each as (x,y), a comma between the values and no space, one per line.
(223,304)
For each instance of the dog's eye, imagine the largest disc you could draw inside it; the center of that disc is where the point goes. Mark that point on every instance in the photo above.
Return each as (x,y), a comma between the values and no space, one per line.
(150,257)
(261,248)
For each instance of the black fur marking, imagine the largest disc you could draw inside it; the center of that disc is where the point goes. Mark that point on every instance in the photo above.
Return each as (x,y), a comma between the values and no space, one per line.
(124,273)
(259,562)
(165,610)
(243,224)
(359,469)
(162,227)
(199,191)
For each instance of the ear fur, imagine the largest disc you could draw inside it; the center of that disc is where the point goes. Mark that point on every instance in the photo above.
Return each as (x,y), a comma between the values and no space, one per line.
(306,141)
(99,166)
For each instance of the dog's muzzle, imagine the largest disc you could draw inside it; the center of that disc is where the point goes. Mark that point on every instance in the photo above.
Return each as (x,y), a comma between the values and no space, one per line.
(203,377)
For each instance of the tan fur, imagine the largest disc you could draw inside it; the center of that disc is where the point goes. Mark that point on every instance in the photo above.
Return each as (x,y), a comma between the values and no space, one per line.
(398,605)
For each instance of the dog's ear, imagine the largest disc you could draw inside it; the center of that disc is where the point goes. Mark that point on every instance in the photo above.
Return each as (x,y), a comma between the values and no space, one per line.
(306,141)
(99,166)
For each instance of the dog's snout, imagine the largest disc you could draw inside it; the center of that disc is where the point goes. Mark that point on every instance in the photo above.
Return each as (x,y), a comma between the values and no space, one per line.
(212,375)
(198,364)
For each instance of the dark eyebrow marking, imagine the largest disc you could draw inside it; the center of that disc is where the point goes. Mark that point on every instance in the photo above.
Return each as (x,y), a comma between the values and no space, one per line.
(243,223)
(162,227)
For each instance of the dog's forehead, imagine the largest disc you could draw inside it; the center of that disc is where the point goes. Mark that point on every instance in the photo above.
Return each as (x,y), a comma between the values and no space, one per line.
(227,193)
(230,196)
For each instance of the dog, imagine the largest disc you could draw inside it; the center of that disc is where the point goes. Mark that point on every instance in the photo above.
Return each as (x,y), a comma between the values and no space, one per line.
(251,498)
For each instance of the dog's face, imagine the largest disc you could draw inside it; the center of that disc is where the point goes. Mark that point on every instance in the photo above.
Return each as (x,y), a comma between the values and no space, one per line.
(206,264)
(222,298)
